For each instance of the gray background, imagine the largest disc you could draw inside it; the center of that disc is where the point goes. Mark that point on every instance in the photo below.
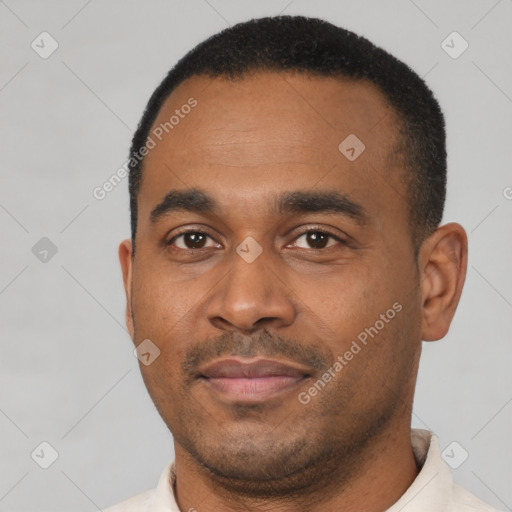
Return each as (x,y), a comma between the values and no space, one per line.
(67,372)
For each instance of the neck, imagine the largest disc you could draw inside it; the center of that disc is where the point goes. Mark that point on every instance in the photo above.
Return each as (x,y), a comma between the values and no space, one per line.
(381,474)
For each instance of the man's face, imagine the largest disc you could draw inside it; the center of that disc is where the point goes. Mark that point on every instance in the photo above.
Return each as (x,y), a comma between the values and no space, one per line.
(255,277)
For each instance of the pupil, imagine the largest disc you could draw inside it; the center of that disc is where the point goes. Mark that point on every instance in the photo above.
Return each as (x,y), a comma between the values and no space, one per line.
(194,240)
(317,240)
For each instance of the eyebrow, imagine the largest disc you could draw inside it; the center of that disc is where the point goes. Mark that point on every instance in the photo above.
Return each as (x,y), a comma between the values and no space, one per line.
(297,201)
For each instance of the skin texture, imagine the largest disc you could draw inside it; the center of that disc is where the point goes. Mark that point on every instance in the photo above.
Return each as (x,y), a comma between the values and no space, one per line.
(245,143)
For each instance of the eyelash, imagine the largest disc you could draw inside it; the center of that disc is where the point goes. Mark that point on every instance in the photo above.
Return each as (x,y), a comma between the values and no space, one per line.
(310,230)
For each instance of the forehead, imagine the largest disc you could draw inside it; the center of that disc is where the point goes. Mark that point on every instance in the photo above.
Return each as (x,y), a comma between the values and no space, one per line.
(247,138)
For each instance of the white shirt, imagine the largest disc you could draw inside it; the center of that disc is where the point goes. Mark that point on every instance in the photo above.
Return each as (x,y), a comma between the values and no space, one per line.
(433,489)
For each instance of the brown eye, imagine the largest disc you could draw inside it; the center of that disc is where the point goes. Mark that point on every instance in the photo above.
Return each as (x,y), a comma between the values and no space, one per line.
(316,240)
(190,240)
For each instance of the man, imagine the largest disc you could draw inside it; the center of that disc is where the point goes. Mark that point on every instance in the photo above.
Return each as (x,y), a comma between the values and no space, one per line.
(287,184)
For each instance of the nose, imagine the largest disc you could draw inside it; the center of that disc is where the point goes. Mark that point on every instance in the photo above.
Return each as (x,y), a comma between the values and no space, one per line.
(251,296)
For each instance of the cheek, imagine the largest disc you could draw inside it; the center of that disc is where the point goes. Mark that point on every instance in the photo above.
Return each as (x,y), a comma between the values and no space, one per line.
(365,305)
(346,300)
(162,308)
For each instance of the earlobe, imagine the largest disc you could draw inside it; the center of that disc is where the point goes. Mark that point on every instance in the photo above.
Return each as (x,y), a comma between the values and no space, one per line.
(443,263)
(125,259)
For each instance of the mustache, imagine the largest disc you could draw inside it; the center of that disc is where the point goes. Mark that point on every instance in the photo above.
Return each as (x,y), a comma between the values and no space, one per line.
(263,343)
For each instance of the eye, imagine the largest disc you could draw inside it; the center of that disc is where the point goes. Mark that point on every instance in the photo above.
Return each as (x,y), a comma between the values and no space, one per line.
(190,240)
(317,239)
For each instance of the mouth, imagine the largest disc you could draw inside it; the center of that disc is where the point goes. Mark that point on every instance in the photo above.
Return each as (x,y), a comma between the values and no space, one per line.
(252,380)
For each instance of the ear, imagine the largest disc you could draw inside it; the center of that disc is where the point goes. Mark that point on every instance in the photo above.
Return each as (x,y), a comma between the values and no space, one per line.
(126,260)
(443,262)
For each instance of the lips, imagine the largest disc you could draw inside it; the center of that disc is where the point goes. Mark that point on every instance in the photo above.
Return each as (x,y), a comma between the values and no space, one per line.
(236,368)
(252,379)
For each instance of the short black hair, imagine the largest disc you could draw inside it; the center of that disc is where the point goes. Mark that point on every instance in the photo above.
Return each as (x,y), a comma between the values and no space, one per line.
(316,47)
